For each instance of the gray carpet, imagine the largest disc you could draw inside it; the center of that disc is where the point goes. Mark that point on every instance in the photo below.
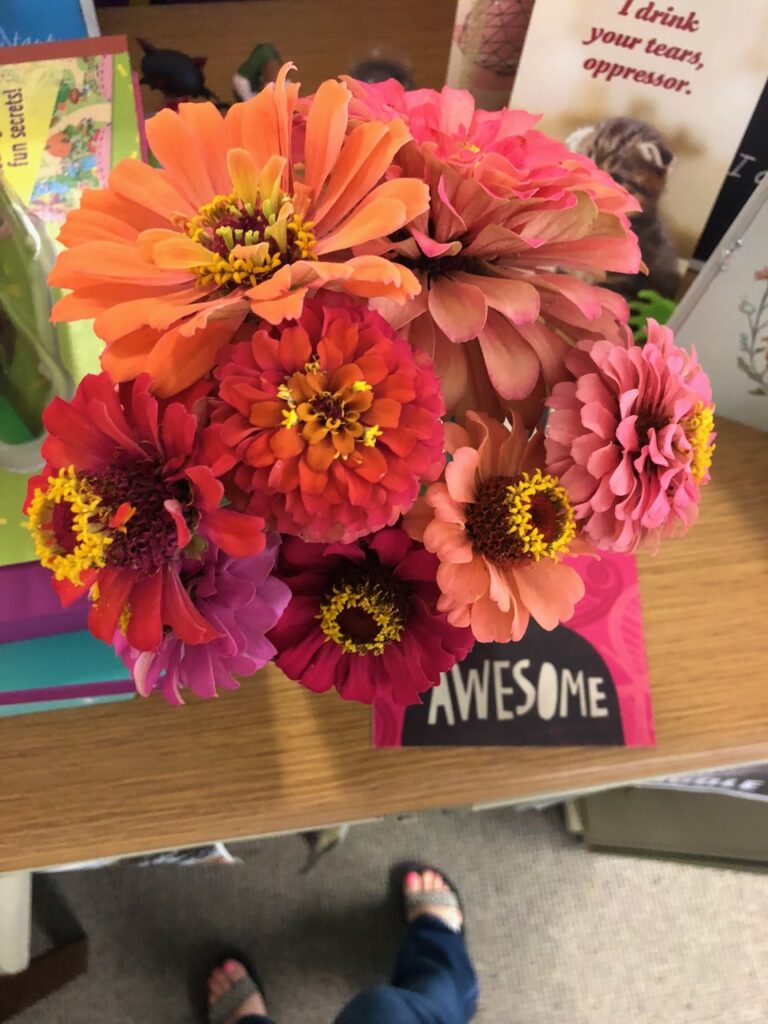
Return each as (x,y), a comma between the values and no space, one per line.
(560,936)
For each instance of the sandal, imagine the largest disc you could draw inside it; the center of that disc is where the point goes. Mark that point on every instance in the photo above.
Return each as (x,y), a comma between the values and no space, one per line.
(412,901)
(225,1006)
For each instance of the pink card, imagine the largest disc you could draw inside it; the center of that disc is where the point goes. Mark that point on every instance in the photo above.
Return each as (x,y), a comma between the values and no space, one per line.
(583,684)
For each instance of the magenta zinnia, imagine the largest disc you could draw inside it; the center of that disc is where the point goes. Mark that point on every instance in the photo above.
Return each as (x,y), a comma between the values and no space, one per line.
(240,600)
(363,618)
(631,436)
(330,423)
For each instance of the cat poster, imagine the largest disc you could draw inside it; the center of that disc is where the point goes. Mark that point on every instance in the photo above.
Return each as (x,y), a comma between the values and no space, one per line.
(659,95)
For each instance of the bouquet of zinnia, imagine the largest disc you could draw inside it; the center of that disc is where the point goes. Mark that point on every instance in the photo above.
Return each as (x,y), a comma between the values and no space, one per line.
(332,327)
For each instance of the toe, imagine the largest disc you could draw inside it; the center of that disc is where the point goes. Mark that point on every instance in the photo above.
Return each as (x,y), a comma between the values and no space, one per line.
(413,882)
(235,970)
(428,879)
(217,984)
(439,882)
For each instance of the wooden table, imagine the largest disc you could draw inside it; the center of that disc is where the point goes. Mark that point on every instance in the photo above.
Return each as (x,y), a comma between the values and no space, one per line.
(130,777)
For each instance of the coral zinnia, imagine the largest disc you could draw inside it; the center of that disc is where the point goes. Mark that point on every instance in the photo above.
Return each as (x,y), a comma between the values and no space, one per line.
(363,618)
(121,496)
(499,526)
(508,207)
(241,601)
(632,438)
(170,260)
(332,422)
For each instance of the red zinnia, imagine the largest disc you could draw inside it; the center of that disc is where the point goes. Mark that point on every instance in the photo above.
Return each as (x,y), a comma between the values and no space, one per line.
(364,618)
(119,500)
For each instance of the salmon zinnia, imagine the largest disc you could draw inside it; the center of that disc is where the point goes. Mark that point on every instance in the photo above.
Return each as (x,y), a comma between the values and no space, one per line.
(170,261)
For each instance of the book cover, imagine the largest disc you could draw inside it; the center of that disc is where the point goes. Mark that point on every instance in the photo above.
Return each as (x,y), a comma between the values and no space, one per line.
(38,21)
(747,170)
(67,115)
(48,659)
(583,684)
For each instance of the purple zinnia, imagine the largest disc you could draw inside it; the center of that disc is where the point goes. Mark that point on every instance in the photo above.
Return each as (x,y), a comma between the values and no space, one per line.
(241,600)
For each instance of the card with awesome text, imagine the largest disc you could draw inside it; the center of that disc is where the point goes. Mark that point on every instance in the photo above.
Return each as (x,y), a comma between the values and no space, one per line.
(583,684)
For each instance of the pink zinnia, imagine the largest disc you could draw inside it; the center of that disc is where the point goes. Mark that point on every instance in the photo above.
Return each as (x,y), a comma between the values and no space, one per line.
(363,618)
(329,423)
(631,437)
(509,207)
(500,147)
(499,526)
(241,601)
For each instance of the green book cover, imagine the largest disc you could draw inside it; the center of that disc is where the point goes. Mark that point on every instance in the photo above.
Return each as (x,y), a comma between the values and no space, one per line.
(70,116)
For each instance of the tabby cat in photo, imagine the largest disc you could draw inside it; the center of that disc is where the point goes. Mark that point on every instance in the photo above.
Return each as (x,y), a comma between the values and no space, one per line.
(636,155)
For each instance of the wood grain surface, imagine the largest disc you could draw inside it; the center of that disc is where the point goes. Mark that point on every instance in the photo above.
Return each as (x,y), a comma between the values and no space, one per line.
(324,38)
(131,777)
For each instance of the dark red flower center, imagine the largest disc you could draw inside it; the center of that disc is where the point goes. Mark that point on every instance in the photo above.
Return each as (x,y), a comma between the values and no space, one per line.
(444,266)
(648,420)
(62,527)
(330,408)
(365,609)
(148,538)
(520,518)
(242,228)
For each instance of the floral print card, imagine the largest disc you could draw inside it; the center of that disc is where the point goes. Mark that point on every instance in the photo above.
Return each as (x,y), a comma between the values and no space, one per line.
(725,316)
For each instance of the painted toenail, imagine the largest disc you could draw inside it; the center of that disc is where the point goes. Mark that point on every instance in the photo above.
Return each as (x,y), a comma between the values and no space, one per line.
(231,966)
(411,878)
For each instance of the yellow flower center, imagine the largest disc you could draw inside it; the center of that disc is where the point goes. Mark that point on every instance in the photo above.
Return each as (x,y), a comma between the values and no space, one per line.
(364,614)
(526,518)
(471,147)
(249,241)
(698,429)
(67,522)
(327,414)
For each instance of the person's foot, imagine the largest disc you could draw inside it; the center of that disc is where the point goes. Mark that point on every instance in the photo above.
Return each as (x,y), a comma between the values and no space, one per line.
(222,979)
(425,882)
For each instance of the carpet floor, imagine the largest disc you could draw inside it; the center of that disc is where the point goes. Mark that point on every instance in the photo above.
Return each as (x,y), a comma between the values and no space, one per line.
(559,935)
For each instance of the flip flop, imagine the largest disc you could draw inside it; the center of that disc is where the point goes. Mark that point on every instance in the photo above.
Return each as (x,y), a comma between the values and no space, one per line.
(412,900)
(225,1006)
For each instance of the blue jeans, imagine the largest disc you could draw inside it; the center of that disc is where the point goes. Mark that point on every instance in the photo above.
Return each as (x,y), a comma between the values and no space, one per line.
(433,982)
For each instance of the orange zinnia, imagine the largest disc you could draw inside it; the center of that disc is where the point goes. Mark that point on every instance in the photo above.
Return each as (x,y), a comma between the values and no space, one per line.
(170,261)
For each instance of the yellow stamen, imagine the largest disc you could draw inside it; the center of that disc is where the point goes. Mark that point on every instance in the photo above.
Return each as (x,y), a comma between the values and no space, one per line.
(522,515)
(125,618)
(370,434)
(698,429)
(290,418)
(369,599)
(87,527)
(330,413)
(271,230)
